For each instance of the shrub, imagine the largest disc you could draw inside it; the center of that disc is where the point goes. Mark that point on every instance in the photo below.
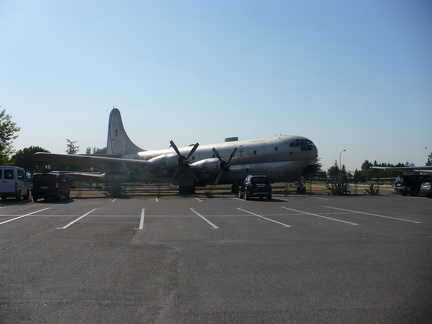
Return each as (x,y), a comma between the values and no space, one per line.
(373,190)
(338,186)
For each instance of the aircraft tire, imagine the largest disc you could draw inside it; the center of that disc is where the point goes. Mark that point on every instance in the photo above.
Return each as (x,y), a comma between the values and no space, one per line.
(186,190)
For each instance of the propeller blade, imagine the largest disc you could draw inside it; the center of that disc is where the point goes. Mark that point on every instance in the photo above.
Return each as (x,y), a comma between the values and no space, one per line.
(175,173)
(232,154)
(192,151)
(183,162)
(175,148)
(217,154)
(224,166)
(218,177)
(192,173)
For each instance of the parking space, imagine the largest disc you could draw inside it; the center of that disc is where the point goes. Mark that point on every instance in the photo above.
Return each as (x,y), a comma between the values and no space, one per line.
(221,213)
(197,259)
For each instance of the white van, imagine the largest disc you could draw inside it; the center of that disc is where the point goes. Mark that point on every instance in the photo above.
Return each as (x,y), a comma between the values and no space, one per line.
(13,182)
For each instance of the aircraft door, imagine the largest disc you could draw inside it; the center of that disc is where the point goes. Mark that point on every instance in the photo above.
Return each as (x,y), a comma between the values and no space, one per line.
(242,164)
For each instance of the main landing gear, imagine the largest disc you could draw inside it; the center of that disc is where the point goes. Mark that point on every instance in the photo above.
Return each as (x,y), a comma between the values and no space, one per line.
(301,188)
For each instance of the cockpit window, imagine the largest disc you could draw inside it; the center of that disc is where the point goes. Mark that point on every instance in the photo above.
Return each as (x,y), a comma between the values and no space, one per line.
(304,144)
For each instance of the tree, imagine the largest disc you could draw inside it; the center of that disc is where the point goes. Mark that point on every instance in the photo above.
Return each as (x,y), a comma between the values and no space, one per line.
(333,171)
(429,161)
(8,129)
(72,148)
(96,150)
(24,159)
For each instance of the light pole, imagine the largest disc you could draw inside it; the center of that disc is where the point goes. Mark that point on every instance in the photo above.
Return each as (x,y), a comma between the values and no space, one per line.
(340,160)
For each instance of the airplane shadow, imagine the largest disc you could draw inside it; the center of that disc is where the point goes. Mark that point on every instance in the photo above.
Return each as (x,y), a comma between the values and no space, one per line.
(12,202)
(264,200)
(54,201)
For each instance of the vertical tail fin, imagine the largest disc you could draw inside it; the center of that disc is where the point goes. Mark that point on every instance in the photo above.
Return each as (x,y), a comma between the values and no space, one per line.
(118,142)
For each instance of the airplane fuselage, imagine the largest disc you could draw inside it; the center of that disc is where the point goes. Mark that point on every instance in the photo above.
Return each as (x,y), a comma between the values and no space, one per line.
(282,158)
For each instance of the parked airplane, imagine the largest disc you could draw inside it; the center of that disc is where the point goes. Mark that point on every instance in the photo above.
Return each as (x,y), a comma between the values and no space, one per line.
(282,158)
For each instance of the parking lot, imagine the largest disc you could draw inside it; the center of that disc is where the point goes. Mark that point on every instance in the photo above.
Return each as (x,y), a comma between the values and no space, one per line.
(295,259)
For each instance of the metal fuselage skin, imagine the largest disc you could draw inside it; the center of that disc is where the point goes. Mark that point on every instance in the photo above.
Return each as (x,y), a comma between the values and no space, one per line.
(281,158)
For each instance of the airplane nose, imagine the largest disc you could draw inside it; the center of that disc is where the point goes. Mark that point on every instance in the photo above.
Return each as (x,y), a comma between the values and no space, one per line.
(315,152)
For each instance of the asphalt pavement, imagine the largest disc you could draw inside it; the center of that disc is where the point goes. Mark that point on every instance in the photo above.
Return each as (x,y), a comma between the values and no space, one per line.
(295,259)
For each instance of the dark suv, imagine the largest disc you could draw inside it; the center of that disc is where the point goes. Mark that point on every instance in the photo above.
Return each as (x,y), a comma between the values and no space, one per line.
(256,186)
(50,185)
(410,184)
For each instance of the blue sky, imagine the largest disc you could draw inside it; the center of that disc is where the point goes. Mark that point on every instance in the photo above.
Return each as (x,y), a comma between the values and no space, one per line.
(354,75)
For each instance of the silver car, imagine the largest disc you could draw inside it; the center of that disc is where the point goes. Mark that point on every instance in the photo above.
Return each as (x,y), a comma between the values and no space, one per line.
(426,188)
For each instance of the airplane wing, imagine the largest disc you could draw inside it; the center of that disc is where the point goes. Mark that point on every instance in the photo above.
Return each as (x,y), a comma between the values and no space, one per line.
(407,168)
(111,164)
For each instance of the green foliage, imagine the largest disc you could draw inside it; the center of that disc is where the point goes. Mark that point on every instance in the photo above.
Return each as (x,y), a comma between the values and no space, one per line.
(8,129)
(313,170)
(373,190)
(96,150)
(24,159)
(338,186)
(72,148)
(333,171)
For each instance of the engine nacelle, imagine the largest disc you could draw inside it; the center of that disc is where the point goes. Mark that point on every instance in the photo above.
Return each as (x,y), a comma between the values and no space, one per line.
(164,162)
(118,176)
(207,166)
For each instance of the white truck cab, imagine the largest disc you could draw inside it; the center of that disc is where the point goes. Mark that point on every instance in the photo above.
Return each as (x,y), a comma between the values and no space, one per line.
(13,182)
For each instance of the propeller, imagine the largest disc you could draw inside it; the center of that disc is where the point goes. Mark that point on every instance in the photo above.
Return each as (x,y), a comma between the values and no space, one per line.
(183,162)
(224,165)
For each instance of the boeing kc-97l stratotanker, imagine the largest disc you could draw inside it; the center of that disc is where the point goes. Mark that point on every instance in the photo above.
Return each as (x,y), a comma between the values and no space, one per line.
(282,158)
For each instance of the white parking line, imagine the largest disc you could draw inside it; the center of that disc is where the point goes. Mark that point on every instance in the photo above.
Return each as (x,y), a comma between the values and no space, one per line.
(76,220)
(11,220)
(268,219)
(211,224)
(141,225)
(316,215)
(375,215)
